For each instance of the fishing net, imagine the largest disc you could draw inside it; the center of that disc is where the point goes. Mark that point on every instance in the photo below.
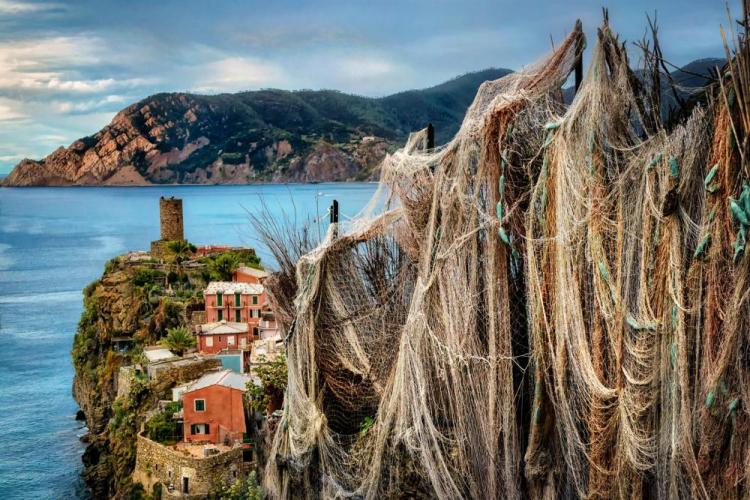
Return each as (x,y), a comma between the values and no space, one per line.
(554,304)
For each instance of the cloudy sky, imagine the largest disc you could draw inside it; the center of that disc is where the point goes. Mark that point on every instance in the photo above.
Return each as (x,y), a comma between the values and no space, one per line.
(67,67)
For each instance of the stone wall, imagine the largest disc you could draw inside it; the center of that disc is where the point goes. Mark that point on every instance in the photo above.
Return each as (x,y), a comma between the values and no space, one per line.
(158,249)
(156,463)
(170,211)
(197,318)
(187,368)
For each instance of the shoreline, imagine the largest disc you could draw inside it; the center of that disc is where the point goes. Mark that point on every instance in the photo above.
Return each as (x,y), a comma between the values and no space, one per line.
(98,186)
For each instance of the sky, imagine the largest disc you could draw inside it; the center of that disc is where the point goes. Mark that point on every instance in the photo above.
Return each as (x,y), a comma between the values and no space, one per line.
(66,68)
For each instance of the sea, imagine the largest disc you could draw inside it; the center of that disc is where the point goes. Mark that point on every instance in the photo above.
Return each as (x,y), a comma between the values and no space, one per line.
(53,242)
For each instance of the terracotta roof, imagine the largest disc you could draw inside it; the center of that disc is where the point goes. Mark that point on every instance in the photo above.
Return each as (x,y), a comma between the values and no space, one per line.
(231,287)
(258,273)
(223,327)
(224,378)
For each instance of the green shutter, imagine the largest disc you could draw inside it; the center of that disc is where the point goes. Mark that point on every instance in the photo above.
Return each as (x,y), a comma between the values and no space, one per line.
(237,316)
(255,299)
(237,299)
(221,315)
(219,297)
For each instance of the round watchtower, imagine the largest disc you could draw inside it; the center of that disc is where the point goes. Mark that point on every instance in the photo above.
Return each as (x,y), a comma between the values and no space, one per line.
(170,213)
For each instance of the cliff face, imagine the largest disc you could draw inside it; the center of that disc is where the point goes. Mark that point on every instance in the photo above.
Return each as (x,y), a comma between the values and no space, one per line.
(263,136)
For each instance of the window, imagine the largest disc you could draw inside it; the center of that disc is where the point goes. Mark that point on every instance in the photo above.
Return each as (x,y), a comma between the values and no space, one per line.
(237,315)
(199,429)
(221,315)
(230,340)
(209,341)
(255,300)
(237,299)
(255,313)
(255,331)
(219,299)
(243,342)
(200,405)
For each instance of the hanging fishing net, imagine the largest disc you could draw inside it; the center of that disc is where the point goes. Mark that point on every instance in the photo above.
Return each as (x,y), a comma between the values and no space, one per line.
(553,304)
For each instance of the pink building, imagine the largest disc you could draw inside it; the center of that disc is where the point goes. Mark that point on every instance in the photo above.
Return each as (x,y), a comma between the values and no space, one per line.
(235,302)
(214,338)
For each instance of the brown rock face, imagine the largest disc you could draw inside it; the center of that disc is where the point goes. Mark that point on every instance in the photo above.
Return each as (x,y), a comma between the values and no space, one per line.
(109,157)
(324,163)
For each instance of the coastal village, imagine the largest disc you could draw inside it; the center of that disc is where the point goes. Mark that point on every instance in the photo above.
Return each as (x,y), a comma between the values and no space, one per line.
(204,437)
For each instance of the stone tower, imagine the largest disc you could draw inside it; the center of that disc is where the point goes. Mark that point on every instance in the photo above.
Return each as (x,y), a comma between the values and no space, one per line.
(170,215)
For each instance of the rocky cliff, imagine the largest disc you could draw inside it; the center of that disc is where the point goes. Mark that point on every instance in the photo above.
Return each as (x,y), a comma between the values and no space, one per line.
(261,136)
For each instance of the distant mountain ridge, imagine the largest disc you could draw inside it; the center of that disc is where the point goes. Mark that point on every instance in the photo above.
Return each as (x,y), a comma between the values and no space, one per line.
(258,136)
(265,135)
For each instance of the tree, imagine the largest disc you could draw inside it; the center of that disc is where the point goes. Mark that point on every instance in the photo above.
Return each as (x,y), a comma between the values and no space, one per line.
(273,378)
(223,266)
(178,251)
(178,340)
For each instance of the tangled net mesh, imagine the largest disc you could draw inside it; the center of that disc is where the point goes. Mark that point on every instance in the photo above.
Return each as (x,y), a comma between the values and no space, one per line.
(554,304)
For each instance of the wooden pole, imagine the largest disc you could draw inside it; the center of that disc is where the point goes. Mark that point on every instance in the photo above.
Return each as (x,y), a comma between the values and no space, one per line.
(430,136)
(579,59)
(335,212)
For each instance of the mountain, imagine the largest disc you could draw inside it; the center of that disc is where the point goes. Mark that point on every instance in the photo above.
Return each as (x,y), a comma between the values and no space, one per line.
(259,136)
(270,135)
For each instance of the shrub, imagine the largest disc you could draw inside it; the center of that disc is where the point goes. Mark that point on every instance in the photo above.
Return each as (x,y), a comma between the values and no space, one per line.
(273,378)
(173,407)
(161,428)
(146,276)
(243,489)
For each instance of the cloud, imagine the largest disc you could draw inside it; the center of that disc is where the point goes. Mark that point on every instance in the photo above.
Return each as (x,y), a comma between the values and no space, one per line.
(284,37)
(11,158)
(47,62)
(11,110)
(368,67)
(71,107)
(232,74)
(12,7)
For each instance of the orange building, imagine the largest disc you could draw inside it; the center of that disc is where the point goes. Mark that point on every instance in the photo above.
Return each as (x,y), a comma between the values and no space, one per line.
(233,301)
(213,410)
(245,274)
(222,335)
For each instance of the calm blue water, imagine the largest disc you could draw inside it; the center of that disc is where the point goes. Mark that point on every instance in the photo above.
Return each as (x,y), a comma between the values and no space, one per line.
(54,241)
